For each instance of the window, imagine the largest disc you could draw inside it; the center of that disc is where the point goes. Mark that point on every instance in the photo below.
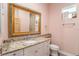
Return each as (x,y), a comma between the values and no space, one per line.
(69,12)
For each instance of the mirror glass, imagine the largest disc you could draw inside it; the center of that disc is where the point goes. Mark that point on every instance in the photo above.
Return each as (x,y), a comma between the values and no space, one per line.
(23,21)
(34,23)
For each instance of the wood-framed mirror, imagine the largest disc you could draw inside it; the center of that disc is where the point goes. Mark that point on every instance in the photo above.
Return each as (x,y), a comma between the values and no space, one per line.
(23,21)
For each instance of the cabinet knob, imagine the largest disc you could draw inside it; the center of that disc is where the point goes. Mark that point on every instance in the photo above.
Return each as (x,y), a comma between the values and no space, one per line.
(14,54)
(36,51)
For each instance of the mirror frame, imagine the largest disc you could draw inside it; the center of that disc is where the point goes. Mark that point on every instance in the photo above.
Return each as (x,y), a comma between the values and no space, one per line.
(11,29)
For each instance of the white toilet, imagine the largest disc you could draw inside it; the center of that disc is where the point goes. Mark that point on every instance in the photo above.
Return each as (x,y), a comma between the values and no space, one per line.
(54,49)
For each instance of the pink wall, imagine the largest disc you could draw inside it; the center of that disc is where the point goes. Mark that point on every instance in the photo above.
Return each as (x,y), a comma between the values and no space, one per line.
(66,37)
(42,8)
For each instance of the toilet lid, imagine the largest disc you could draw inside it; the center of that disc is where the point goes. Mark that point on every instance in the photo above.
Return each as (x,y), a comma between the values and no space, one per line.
(54,47)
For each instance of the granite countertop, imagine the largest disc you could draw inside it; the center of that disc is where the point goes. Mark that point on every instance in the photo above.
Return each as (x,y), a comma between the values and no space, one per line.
(18,45)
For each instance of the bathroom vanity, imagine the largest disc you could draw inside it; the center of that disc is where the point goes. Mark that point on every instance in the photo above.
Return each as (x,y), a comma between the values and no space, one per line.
(33,47)
(23,21)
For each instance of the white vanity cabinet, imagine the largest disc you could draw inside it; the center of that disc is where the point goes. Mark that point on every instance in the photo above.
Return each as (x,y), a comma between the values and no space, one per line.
(41,49)
(16,53)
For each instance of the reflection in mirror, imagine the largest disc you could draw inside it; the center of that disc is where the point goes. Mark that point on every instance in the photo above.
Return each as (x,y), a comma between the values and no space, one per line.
(34,23)
(23,21)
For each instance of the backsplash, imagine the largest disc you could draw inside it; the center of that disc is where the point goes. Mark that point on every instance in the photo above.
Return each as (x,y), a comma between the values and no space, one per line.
(31,36)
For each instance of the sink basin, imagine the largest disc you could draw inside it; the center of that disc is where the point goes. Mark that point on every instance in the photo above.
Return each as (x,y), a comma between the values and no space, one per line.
(16,45)
(29,42)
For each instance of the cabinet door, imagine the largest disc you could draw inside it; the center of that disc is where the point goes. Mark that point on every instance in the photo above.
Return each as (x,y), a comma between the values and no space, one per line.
(41,49)
(30,51)
(16,53)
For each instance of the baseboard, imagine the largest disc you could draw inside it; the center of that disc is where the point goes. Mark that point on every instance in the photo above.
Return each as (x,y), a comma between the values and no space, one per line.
(63,53)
